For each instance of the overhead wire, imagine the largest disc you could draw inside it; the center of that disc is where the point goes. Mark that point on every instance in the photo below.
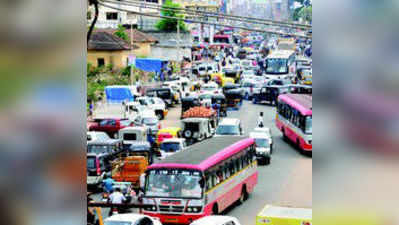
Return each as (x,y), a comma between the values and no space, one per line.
(205,14)
(204,22)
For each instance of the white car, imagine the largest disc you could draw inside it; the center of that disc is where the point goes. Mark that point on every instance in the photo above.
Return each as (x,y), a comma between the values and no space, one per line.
(95,136)
(230,127)
(154,103)
(263,148)
(210,87)
(247,74)
(216,220)
(131,219)
(171,146)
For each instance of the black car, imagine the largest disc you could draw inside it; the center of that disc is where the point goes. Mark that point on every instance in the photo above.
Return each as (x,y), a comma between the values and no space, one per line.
(300,89)
(164,93)
(269,94)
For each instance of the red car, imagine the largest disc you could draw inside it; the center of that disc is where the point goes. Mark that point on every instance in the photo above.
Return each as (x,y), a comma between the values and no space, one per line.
(110,126)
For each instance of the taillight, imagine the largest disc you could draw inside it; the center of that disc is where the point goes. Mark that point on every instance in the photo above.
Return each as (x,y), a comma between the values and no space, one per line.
(98,167)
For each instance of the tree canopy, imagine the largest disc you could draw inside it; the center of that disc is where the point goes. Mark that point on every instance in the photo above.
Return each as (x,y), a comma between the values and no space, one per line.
(167,24)
(121,32)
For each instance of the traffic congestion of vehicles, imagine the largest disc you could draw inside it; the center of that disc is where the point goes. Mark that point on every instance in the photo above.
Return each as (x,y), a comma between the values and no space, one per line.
(210,160)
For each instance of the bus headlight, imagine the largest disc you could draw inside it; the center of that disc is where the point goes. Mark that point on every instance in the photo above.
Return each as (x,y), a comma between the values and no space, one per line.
(195,209)
(151,208)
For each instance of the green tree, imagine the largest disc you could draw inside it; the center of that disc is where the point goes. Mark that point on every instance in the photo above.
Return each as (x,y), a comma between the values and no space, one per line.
(167,24)
(121,32)
(306,13)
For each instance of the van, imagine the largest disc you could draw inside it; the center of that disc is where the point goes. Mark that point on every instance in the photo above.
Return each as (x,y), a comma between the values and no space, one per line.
(97,166)
(263,147)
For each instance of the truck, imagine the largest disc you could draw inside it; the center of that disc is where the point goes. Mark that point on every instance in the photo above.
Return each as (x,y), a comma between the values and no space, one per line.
(129,169)
(281,215)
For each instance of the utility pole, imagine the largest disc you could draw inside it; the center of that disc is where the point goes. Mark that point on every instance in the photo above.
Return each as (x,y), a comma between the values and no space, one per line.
(131,53)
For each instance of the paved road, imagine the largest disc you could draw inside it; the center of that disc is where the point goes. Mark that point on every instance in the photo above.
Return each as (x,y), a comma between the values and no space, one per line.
(286,181)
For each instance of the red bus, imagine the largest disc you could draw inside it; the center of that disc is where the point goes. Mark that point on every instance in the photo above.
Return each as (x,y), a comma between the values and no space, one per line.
(203,180)
(294,119)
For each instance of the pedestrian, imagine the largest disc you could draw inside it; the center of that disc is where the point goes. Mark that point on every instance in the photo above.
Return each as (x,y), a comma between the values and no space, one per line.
(108,184)
(116,198)
(260,120)
(91,108)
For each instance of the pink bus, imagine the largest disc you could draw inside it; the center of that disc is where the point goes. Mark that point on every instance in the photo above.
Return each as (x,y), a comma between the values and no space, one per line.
(203,180)
(294,119)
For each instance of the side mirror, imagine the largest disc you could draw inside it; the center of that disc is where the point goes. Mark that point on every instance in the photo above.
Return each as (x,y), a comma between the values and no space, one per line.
(202,183)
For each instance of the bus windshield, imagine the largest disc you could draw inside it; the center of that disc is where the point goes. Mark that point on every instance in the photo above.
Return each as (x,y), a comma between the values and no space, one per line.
(308,125)
(276,66)
(173,183)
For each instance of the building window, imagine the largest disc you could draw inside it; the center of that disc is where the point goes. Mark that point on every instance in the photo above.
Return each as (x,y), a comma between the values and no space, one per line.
(100,62)
(153,1)
(112,15)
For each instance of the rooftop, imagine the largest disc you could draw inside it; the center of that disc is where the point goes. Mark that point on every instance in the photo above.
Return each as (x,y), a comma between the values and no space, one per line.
(106,42)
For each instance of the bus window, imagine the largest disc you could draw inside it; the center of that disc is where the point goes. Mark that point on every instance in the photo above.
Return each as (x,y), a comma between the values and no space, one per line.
(208,181)
(232,168)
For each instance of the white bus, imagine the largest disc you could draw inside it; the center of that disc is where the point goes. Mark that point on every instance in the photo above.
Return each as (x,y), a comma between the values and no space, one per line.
(280,64)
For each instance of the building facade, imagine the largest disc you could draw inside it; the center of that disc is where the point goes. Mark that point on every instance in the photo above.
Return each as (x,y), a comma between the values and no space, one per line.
(111,18)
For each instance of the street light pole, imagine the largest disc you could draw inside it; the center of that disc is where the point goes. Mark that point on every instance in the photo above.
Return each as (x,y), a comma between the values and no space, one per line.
(131,53)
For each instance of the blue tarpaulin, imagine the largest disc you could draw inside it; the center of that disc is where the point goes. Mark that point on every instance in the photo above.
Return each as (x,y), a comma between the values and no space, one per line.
(149,65)
(115,94)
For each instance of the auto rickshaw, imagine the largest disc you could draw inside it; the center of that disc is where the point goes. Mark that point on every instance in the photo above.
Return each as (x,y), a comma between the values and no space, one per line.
(228,87)
(168,132)
(220,99)
(189,102)
(234,98)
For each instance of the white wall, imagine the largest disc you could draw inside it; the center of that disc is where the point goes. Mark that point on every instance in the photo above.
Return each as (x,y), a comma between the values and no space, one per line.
(171,54)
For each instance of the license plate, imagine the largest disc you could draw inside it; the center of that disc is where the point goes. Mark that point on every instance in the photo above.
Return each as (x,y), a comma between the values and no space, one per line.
(171,220)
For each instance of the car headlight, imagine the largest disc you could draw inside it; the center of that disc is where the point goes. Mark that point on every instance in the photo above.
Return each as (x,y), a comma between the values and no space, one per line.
(263,220)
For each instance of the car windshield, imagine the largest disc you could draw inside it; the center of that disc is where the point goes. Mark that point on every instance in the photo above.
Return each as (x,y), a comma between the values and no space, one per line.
(170,147)
(125,122)
(98,149)
(150,120)
(262,142)
(91,163)
(173,183)
(208,88)
(248,85)
(117,223)
(276,66)
(228,130)
(308,126)
(143,102)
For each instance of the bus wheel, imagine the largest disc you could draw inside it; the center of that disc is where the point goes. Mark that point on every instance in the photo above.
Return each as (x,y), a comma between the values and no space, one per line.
(215,209)
(244,195)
